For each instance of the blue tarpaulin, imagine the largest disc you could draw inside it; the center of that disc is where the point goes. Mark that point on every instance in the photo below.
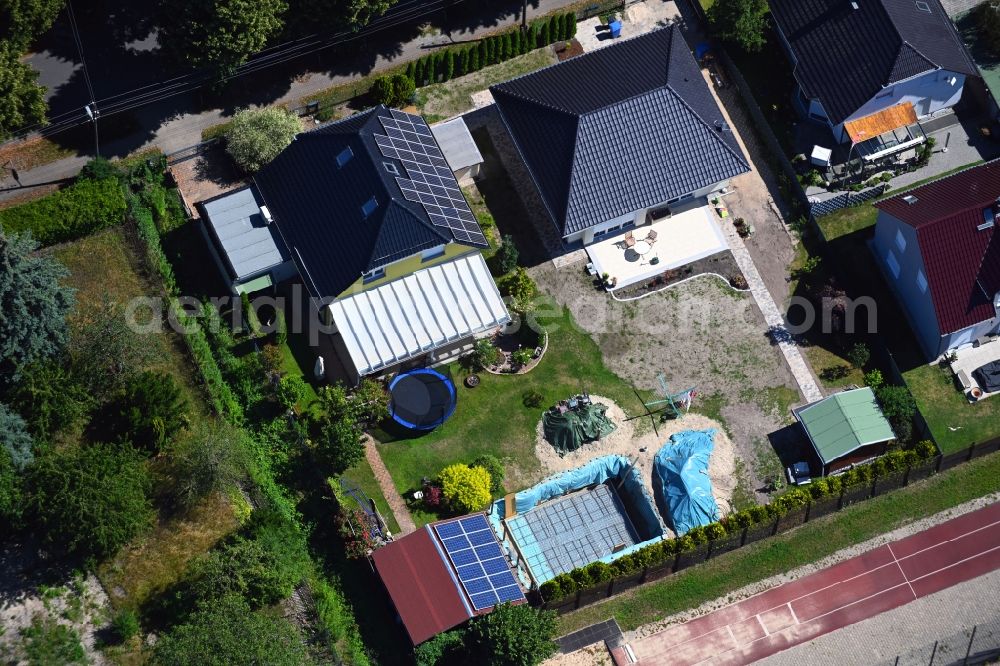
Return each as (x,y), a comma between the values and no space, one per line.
(682,467)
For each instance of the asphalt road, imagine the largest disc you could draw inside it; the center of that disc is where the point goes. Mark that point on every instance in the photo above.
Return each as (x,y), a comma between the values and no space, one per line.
(120,55)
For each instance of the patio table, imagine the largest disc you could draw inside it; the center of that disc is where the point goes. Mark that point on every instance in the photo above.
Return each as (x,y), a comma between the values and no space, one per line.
(641,247)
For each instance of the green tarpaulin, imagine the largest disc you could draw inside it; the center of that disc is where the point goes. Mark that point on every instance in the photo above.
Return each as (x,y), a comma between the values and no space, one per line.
(569,430)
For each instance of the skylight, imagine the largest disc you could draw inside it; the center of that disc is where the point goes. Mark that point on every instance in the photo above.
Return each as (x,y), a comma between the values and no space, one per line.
(344,156)
(368,207)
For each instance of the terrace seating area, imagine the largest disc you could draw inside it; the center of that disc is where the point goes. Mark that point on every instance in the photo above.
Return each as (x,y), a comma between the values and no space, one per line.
(642,253)
(968,359)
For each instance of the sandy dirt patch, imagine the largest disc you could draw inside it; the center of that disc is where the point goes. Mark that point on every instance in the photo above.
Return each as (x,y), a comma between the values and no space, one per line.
(629,439)
(592,655)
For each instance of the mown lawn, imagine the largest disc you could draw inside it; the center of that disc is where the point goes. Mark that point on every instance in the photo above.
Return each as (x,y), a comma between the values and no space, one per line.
(363,477)
(955,423)
(492,417)
(809,543)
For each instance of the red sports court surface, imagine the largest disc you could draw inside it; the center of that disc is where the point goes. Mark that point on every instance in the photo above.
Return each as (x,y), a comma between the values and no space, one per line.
(879,580)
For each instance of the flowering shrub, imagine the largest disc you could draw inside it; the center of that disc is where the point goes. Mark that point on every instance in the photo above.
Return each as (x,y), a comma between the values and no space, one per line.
(432,497)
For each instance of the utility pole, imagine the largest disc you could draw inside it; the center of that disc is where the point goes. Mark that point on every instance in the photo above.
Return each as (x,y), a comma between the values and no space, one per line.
(94,114)
(524,16)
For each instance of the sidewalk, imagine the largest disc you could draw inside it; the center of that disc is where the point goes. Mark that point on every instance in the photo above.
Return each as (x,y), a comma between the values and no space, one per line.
(882,579)
(173,123)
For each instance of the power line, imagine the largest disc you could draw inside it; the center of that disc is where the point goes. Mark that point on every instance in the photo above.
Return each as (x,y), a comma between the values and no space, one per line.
(79,48)
(196,80)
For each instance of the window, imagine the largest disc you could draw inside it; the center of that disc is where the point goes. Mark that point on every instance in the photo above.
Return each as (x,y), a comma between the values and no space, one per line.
(900,240)
(921,281)
(368,207)
(344,157)
(676,199)
(376,274)
(890,260)
(432,253)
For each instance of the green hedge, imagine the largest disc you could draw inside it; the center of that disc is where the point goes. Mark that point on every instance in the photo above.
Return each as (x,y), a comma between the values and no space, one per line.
(74,212)
(660,552)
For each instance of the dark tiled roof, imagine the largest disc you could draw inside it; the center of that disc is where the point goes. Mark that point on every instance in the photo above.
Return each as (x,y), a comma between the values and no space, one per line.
(317,205)
(621,128)
(846,55)
(962,263)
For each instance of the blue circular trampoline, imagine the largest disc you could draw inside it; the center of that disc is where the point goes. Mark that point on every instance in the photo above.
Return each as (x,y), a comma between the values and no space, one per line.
(421,399)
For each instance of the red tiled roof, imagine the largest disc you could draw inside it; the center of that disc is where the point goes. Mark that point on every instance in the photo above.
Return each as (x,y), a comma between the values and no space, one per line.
(959,259)
(421,586)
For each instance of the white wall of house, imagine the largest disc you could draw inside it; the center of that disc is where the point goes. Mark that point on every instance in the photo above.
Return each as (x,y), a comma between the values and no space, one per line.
(929,93)
(638,217)
(897,253)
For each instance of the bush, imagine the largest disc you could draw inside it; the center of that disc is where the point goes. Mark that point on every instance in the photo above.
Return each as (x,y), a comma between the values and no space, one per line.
(987,21)
(150,411)
(211,458)
(874,379)
(599,572)
(571,25)
(381,90)
(432,497)
(522,357)
(507,255)
(520,288)
(125,624)
(495,467)
(899,407)
(442,649)
(98,168)
(258,135)
(47,641)
(290,390)
(859,355)
(484,354)
(74,212)
(90,500)
(544,34)
(15,439)
(532,399)
(474,59)
(403,88)
(449,65)
(245,568)
(465,489)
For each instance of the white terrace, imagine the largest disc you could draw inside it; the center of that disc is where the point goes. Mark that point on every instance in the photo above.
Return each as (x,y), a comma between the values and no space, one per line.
(677,240)
(968,359)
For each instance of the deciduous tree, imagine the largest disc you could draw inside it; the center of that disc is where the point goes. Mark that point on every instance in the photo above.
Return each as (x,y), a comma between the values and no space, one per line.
(226,632)
(256,136)
(512,636)
(219,34)
(740,22)
(22,100)
(210,458)
(23,20)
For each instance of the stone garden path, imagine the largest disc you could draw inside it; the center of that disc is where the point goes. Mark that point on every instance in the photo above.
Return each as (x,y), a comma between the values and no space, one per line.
(772,315)
(392,496)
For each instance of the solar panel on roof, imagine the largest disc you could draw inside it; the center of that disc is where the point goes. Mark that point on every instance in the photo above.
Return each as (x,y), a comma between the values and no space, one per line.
(408,139)
(479,561)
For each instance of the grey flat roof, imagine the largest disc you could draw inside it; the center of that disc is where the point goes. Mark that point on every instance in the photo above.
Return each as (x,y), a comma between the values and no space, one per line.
(456,143)
(250,246)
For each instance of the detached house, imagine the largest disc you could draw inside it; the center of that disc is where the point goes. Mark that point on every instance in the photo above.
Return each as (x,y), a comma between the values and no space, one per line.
(939,248)
(873,68)
(368,213)
(615,137)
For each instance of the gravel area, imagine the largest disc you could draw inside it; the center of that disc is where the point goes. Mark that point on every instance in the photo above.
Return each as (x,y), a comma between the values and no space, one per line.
(643,443)
(699,334)
(30,589)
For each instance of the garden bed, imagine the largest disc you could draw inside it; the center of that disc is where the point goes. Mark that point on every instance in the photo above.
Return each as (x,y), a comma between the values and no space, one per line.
(722,264)
(509,344)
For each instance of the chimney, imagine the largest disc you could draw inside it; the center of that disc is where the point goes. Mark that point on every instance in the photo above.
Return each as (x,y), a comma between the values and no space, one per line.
(910,199)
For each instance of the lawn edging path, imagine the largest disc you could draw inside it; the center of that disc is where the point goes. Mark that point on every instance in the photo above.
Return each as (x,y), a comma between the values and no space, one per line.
(392,496)
(772,316)
(890,576)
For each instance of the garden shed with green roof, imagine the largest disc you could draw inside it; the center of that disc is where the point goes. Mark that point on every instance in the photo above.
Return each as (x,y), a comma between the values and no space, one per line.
(845,429)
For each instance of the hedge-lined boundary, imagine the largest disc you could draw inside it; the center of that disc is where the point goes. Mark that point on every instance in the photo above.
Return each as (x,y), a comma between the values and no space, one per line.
(79,210)
(221,396)
(598,580)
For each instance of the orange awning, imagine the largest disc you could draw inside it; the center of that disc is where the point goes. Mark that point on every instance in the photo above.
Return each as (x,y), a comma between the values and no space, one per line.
(883,121)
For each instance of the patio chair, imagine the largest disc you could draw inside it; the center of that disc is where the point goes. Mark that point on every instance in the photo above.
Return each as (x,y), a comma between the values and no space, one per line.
(651,236)
(629,239)
(963,379)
